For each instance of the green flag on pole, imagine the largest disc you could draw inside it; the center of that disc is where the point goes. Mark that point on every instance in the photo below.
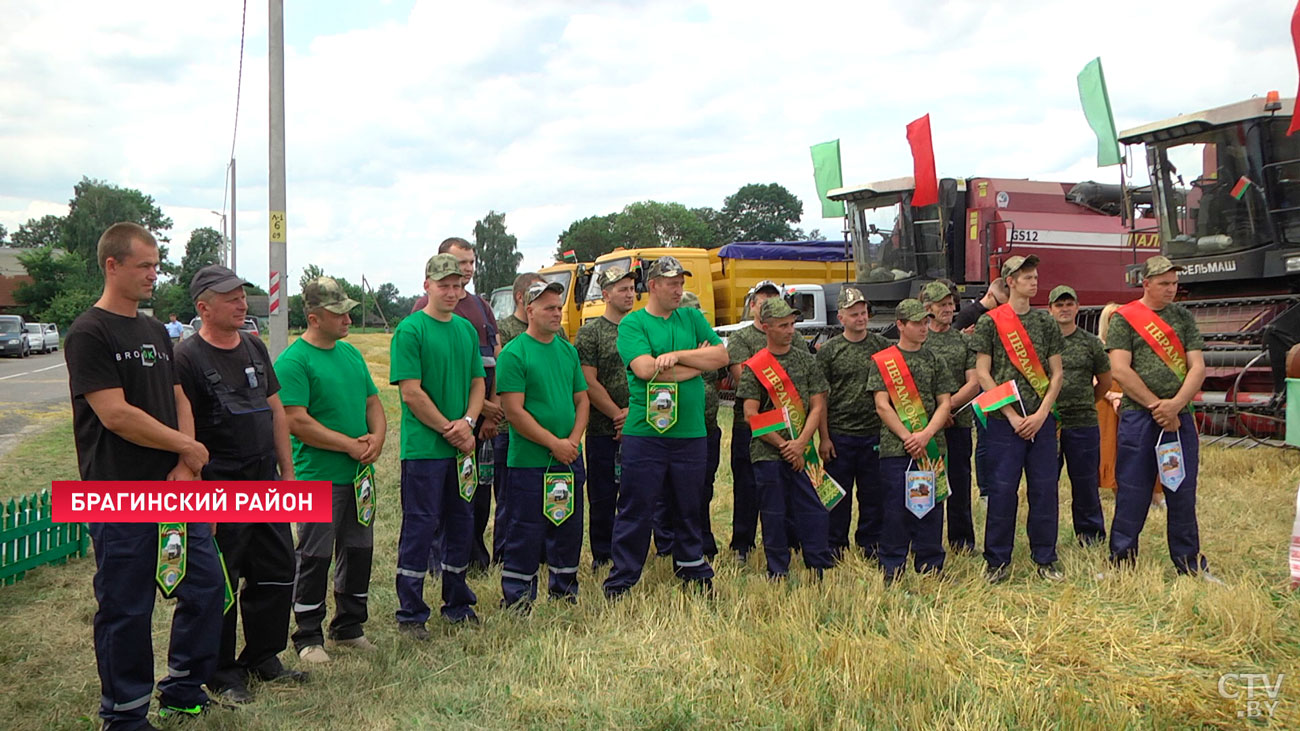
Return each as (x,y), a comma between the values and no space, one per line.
(826,171)
(1096,107)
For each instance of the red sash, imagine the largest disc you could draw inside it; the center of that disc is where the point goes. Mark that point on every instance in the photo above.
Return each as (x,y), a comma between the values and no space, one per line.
(780,388)
(1158,334)
(906,398)
(1019,348)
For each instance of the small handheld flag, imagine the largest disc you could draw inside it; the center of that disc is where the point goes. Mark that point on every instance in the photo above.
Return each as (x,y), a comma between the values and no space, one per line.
(769,421)
(1004,395)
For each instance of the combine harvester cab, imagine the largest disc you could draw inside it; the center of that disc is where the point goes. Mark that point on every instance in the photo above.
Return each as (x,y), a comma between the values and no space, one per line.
(696,261)
(1076,231)
(1224,202)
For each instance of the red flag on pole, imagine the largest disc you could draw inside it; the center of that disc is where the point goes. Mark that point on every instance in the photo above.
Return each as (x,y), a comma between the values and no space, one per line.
(1295,39)
(927,184)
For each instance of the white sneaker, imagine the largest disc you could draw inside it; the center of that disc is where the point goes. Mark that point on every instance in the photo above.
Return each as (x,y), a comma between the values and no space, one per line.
(314,654)
(357,643)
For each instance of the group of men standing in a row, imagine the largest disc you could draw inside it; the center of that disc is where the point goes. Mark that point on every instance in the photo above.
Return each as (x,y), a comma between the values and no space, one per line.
(638,392)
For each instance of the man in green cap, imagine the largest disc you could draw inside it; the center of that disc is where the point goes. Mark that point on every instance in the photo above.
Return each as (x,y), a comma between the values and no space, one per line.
(1087,379)
(741,346)
(1156,356)
(665,348)
(1016,342)
(913,393)
(602,366)
(338,428)
(435,361)
(783,377)
(850,433)
(953,348)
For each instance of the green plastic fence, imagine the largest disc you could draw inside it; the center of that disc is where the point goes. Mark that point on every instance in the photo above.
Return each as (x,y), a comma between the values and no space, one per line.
(29,537)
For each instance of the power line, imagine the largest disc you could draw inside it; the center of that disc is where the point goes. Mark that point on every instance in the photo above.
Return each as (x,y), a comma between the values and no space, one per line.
(239,86)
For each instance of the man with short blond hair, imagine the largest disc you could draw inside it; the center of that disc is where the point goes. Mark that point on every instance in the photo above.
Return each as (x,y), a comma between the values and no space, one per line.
(338,428)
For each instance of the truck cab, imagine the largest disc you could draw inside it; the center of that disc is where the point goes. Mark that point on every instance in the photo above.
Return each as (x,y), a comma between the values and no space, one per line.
(574,277)
(696,261)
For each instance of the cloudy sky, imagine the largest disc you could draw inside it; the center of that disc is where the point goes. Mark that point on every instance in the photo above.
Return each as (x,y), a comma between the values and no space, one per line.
(408,120)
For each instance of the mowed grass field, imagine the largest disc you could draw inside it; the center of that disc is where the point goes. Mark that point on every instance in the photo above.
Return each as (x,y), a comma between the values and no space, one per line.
(1135,649)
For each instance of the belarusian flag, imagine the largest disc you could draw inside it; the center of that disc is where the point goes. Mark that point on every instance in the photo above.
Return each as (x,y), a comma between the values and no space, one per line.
(1003,395)
(769,421)
(570,255)
(1243,184)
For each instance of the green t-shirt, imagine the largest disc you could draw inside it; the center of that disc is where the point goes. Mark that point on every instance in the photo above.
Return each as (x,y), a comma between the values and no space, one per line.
(641,333)
(932,377)
(953,348)
(445,359)
(1045,335)
(548,375)
(1150,367)
(333,386)
(597,344)
(846,366)
(741,346)
(1083,358)
(808,379)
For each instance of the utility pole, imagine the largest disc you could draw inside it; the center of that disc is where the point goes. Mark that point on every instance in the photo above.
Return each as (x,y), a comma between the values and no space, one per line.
(279,254)
(233,208)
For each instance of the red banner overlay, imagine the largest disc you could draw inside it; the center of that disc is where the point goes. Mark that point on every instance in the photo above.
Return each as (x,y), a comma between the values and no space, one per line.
(191,502)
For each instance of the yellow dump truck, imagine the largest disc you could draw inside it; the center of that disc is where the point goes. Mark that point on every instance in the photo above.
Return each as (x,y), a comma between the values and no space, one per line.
(696,261)
(737,267)
(574,277)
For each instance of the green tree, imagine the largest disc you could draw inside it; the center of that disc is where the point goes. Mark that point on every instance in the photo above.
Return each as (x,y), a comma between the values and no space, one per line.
(3,233)
(203,249)
(96,205)
(309,272)
(58,278)
(588,238)
(37,232)
(759,212)
(649,224)
(170,297)
(718,234)
(498,254)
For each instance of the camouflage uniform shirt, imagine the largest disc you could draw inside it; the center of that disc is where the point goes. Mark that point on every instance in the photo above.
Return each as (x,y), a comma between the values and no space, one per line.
(953,348)
(510,328)
(711,399)
(597,344)
(932,377)
(741,346)
(1083,358)
(847,366)
(808,380)
(1045,335)
(1150,367)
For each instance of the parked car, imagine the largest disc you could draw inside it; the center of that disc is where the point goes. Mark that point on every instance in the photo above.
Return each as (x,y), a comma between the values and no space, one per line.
(51,336)
(13,336)
(36,337)
(250,326)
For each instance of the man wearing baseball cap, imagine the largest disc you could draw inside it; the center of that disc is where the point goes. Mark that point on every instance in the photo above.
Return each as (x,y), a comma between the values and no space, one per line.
(545,395)
(953,348)
(850,433)
(1087,379)
(1156,356)
(785,492)
(228,377)
(741,346)
(665,348)
(911,443)
(435,361)
(597,344)
(1015,342)
(338,428)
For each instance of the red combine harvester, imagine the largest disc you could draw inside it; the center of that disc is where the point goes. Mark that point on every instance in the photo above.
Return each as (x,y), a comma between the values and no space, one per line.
(1224,202)
(1077,231)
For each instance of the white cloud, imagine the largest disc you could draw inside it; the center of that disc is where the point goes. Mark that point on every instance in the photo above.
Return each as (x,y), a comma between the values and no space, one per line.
(407,131)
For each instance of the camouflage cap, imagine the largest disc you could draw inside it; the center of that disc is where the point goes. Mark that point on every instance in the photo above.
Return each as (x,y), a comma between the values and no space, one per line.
(1062,290)
(911,310)
(613,275)
(325,293)
(934,292)
(690,299)
(777,308)
(1016,263)
(1157,265)
(665,266)
(766,284)
(537,289)
(848,297)
(441,266)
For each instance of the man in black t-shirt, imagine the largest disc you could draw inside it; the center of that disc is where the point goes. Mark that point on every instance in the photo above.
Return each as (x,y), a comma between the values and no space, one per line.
(227,375)
(132,422)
